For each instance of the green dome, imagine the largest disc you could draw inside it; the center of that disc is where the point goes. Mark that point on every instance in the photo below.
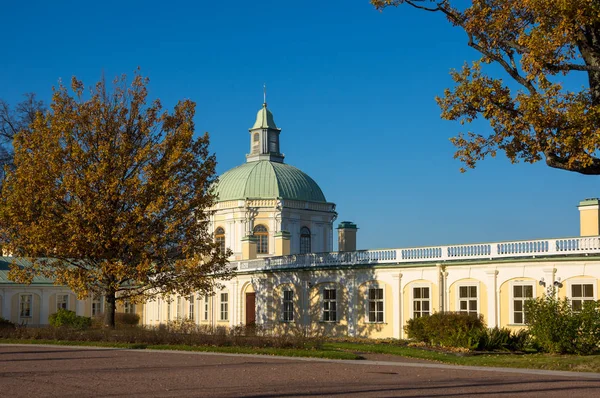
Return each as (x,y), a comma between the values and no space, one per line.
(268,180)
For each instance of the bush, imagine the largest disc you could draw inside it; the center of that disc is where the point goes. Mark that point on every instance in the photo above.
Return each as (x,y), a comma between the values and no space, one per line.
(66,318)
(557,329)
(447,329)
(494,339)
(6,324)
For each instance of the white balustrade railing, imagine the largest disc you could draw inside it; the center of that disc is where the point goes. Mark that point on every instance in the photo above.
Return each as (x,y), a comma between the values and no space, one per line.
(484,251)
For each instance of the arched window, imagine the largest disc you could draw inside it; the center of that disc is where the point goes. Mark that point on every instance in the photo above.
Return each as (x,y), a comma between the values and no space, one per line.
(255,143)
(305,240)
(220,238)
(261,232)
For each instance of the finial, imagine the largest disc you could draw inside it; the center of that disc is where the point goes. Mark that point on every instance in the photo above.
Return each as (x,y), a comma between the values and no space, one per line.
(265,95)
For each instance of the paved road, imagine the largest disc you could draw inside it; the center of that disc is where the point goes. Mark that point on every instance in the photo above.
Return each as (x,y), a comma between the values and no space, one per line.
(35,371)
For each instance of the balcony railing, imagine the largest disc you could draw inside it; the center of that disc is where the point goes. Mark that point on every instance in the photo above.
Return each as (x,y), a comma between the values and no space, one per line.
(476,251)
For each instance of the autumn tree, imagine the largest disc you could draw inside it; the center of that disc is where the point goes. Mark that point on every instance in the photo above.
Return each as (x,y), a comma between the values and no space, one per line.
(13,120)
(109,196)
(533,115)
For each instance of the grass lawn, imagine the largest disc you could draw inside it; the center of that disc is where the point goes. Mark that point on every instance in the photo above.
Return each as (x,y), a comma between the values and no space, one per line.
(356,350)
(289,352)
(590,363)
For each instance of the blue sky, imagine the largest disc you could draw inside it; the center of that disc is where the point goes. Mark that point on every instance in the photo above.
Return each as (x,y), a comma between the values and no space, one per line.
(352,89)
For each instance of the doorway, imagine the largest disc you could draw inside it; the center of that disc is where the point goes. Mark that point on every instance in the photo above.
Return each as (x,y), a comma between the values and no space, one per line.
(250,309)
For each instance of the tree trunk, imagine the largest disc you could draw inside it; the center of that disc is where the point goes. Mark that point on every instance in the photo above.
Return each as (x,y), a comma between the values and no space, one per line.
(109,310)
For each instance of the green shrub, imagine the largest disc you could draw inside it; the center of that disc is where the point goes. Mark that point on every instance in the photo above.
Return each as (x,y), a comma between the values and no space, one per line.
(447,329)
(6,324)
(556,328)
(66,318)
(494,339)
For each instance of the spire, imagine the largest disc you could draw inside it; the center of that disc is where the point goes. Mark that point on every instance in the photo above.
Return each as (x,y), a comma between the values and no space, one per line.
(264,95)
(264,136)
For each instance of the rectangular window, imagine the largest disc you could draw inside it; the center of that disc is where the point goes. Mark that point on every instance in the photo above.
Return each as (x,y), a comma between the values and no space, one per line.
(467,299)
(580,293)
(97,304)
(191,308)
(330,305)
(288,305)
(375,305)
(521,293)
(25,303)
(224,306)
(206,308)
(62,302)
(178,309)
(421,302)
(128,307)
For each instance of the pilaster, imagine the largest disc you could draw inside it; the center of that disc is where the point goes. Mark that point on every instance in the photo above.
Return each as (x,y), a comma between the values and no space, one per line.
(492,289)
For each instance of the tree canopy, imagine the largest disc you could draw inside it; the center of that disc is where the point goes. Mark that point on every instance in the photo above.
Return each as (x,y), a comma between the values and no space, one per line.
(109,196)
(539,44)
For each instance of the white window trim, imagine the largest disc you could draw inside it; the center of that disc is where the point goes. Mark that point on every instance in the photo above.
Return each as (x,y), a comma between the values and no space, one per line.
(95,299)
(477,284)
(288,289)
(412,286)
(221,319)
(374,285)
(206,308)
(511,302)
(333,286)
(590,281)
(62,294)
(191,307)
(30,304)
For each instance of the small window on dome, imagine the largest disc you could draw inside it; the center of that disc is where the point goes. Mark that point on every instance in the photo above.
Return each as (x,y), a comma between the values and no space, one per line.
(305,240)
(261,232)
(255,143)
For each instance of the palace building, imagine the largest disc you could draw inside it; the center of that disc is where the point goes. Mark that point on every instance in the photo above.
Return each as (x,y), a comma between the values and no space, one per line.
(280,227)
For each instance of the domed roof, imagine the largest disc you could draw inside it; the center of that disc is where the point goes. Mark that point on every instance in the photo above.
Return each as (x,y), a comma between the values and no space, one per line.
(264,119)
(268,180)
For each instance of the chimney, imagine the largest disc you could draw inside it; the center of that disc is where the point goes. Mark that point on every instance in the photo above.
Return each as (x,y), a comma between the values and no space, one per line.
(347,236)
(589,217)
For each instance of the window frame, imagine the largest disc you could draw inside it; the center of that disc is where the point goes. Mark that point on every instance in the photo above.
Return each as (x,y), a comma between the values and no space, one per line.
(477,298)
(30,305)
(511,310)
(206,308)
(329,301)
(66,302)
(305,238)
(128,306)
(191,307)
(569,293)
(368,301)
(224,306)
(100,301)
(287,305)
(262,243)
(220,238)
(429,299)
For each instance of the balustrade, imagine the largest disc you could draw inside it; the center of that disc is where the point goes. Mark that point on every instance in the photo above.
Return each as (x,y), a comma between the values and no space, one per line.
(483,251)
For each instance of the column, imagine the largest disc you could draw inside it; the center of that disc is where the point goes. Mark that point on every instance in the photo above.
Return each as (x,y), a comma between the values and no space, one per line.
(352,304)
(492,293)
(397,304)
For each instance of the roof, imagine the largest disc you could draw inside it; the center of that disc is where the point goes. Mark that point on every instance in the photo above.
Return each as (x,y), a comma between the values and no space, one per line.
(264,179)
(264,119)
(5,263)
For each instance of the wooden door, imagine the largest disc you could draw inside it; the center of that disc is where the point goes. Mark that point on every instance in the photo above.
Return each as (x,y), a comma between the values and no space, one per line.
(250,308)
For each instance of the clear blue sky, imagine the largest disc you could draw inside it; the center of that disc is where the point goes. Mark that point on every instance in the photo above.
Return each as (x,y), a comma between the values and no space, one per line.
(352,88)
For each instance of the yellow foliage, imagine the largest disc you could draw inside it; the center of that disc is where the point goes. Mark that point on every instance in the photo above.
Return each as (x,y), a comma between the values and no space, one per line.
(535,42)
(115,191)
